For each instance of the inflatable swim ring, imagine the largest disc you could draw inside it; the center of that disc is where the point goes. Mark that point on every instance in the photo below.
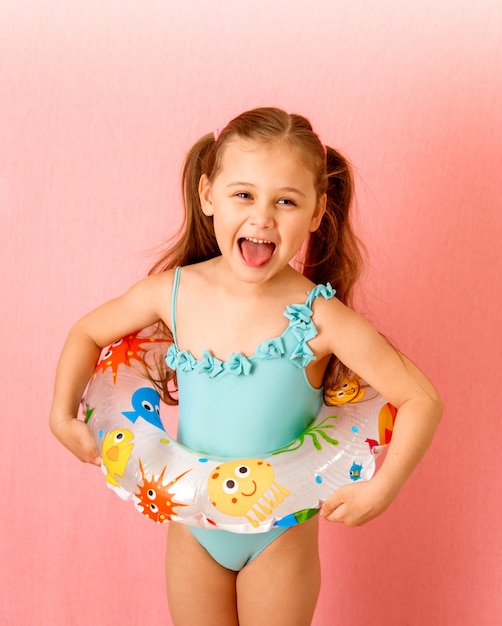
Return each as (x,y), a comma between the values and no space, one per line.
(169,482)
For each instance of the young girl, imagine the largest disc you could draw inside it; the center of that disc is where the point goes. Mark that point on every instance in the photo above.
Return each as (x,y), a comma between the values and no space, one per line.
(258,195)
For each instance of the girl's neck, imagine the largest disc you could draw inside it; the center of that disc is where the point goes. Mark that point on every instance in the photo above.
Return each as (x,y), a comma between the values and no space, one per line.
(219,313)
(283,284)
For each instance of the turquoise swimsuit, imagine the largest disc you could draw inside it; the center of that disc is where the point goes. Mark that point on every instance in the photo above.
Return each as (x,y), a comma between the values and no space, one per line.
(246,407)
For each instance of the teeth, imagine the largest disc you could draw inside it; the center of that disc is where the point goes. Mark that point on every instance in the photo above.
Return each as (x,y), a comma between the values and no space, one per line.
(253,240)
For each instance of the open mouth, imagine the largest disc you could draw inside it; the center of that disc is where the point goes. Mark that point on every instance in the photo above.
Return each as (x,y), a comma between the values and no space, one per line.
(256,252)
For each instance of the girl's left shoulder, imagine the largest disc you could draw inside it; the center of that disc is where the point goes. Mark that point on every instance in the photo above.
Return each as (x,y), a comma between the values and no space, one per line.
(340,328)
(327,306)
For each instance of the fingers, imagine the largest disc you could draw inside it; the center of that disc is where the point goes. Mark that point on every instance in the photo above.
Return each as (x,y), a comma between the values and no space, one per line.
(88,455)
(77,437)
(89,452)
(332,507)
(342,514)
(350,505)
(328,506)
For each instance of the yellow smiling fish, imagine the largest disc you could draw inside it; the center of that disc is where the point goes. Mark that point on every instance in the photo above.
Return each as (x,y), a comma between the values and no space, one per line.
(117,448)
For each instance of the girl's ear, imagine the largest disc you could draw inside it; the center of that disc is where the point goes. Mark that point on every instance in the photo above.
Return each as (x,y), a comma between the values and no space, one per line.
(206,200)
(318,213)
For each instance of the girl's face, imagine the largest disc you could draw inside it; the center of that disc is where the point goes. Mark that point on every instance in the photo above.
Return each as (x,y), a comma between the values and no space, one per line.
(263,204)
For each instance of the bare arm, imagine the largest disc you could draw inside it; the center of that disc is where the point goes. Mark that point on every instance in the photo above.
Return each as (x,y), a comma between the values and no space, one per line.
(419,406)
(141,306)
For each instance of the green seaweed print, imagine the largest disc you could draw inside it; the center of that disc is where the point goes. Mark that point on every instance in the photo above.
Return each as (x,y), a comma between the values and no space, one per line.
(317,432)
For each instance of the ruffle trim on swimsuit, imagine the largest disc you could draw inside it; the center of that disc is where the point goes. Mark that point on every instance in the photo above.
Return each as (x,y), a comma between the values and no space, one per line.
(300,325)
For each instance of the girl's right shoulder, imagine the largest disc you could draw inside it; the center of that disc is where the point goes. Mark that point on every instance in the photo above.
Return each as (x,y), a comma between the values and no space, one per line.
(158,287)
(151,297)
(143,305)
(155,284)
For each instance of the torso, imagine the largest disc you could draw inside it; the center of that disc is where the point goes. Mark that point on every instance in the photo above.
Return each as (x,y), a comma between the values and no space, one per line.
(245,403)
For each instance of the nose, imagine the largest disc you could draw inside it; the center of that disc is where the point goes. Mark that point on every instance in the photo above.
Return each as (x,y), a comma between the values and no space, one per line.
(262,215)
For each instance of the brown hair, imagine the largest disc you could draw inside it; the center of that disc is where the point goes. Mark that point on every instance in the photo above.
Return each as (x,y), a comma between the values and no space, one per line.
(333,250)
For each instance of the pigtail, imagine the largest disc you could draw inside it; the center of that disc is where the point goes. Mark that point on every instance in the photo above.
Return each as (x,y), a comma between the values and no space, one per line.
(200,241)
(195,241)
(333,253)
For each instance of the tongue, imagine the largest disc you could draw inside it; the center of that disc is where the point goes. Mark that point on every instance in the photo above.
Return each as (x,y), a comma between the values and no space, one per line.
(256,254)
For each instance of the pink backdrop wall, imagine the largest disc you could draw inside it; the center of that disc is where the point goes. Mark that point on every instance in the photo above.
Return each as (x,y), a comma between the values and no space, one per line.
(98,103)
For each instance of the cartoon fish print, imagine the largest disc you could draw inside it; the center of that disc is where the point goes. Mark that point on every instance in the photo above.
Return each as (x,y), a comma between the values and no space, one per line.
(123,352)
(373,443)
(351,390)
(146,404)
(355,471)
(116,451)
(155,499)
(245,487)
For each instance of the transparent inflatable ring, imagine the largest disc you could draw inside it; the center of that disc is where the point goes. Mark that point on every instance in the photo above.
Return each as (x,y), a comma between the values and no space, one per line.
(168,482)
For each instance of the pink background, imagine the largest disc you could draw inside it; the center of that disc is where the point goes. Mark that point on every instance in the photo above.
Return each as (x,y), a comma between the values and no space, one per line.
(98,103)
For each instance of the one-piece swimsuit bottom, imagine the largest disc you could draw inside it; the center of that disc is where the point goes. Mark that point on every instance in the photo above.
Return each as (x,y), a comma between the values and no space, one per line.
(246,406)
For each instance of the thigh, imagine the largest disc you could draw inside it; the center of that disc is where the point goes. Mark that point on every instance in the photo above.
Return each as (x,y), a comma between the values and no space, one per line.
(281,585)
(199,590)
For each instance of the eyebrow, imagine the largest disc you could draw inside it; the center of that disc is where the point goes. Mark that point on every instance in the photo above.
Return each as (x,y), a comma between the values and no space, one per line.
(283,189)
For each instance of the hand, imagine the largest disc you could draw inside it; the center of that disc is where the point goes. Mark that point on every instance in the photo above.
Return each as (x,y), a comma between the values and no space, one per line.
(76,436)
(356,504)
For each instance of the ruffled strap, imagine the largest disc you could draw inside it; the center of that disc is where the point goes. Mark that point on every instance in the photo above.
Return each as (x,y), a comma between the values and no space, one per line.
(174,300)
(271,349)
(302,326)
(184,361)
(180,359)
(209,365)
(326,291)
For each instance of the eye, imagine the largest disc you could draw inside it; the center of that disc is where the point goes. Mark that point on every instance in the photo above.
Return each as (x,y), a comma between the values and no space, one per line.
(148,406)
(340,394)
(243,194)
(154,508)
(151,494)
(230,486)
(286,202)
(118,437)
(242,471)
(116,343)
